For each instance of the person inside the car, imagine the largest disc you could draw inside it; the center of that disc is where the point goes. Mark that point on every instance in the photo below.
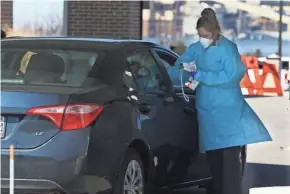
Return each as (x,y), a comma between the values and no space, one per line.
(226,121)
(146,72)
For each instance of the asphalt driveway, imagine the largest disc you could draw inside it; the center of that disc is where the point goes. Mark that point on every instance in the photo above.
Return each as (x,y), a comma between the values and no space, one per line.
(268,164)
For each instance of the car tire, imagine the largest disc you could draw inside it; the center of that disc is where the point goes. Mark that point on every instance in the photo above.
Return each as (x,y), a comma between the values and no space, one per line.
(131,175)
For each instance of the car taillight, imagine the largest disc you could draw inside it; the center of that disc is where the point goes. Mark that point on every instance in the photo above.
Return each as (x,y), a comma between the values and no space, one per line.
(69,117)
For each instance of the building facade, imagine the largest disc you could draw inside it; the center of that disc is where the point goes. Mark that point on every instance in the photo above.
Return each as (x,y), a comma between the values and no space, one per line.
(102,19)
(7,13)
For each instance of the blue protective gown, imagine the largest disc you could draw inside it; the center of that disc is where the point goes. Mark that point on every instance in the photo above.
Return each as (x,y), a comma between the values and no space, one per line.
(225,118)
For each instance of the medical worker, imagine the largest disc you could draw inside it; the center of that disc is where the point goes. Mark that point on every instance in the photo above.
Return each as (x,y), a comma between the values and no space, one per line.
(226,121)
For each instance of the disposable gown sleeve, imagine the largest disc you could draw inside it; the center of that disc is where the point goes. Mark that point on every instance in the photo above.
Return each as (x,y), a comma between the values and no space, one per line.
(174,71)
(233,70)
(187,56)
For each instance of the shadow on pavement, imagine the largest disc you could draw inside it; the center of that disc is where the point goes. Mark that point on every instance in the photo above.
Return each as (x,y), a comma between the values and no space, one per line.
(265,175)
(256,175)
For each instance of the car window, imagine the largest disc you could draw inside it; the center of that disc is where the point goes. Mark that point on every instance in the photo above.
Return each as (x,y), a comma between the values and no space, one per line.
(143,68)
(168,61)
(46,67)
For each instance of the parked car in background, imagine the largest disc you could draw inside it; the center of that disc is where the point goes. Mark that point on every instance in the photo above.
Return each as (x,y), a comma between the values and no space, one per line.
(91,116)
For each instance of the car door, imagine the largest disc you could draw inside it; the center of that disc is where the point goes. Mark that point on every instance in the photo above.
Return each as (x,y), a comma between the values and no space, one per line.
(194,164)
(158,115)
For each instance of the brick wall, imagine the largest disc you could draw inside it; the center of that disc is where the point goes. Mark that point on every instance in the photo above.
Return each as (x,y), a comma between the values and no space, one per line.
(104,19)
(7,12)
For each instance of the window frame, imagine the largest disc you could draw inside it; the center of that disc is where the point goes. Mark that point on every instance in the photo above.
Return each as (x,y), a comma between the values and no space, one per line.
(166,52)
(155,50)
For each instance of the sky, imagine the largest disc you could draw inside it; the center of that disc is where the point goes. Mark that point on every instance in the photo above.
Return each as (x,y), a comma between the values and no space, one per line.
(35,11)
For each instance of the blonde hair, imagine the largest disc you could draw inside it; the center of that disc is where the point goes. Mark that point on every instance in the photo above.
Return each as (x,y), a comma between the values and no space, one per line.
(208,20)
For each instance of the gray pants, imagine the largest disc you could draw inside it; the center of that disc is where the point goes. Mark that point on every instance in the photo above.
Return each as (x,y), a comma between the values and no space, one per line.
(226,169)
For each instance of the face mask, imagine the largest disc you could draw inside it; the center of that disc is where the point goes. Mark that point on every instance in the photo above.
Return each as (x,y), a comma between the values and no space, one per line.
(205,42)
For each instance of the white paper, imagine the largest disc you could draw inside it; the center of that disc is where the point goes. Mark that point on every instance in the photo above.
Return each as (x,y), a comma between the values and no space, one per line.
(193,84)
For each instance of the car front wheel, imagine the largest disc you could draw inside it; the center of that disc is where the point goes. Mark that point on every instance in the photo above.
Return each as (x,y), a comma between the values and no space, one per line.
(131,178)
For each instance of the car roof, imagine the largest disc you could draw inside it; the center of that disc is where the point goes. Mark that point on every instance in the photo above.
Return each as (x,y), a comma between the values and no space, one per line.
(108,43)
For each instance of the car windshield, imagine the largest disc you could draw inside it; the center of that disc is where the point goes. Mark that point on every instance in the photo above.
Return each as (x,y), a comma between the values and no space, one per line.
(46,66)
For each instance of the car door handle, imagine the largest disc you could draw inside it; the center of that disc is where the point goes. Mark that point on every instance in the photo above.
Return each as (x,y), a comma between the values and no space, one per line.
(189,110)
(144,108)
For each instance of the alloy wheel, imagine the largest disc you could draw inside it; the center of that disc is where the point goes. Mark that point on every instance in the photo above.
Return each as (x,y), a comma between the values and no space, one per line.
(133,181)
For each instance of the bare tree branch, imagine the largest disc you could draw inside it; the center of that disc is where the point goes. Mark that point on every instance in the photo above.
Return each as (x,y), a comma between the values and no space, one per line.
(52,26)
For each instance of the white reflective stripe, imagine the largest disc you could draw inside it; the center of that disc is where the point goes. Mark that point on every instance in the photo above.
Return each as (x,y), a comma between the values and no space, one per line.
(245,91)
(252,76)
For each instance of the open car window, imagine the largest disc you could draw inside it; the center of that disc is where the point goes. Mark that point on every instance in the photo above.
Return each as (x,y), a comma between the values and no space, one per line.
(143,67)
(168,61)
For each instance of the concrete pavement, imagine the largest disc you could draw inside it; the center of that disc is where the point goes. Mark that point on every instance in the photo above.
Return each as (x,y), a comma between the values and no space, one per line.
(269,163)
(268,167)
